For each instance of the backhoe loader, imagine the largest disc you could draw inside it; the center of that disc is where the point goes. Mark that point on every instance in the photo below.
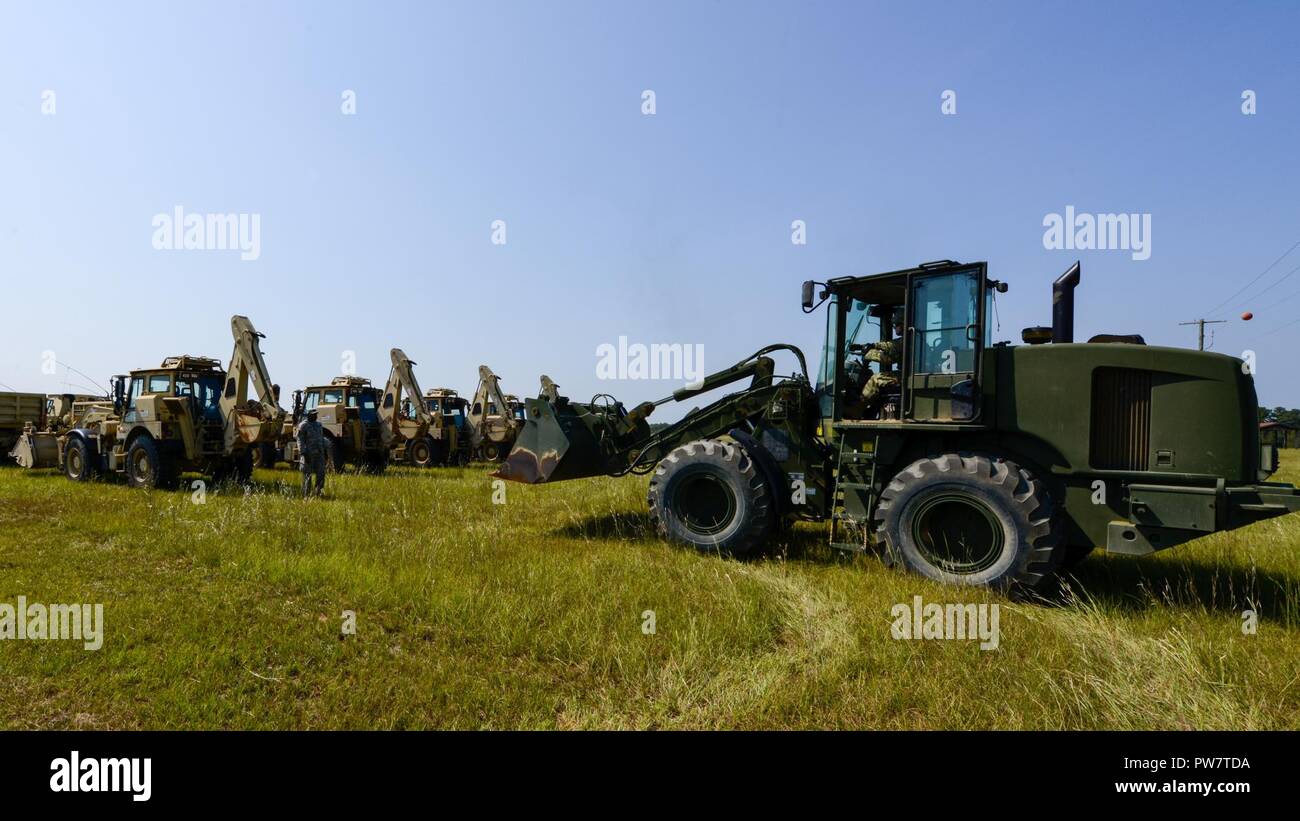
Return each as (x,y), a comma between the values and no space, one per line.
(409,425)
(492,422)
(985,464)
(187,415)
(451,438)
(367,427)
(348,410)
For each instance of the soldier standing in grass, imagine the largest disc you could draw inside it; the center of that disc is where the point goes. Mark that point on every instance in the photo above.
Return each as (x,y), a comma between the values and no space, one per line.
(311,453)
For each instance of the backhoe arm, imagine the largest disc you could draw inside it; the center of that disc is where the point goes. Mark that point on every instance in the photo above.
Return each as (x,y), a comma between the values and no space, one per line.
(402,378)
(247,420)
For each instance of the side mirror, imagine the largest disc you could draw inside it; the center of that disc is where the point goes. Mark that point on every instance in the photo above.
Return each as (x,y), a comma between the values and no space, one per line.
(808,295)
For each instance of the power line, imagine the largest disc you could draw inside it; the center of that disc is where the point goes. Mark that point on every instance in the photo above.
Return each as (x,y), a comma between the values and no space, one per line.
(1251,284)
(1284,278)
(79,373)
(1280,328)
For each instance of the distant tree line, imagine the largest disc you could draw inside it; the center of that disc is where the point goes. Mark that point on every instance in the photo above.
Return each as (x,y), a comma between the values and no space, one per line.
(1279,414)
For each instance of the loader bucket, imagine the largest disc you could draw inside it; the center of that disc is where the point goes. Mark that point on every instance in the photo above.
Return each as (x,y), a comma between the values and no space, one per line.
(554,444)
(36,450)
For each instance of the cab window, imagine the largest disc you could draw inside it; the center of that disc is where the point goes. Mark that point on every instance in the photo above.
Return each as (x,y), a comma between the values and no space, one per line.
(332,396)
(313,401)
(945,314)
(367,402)
(137,387)
(160,383)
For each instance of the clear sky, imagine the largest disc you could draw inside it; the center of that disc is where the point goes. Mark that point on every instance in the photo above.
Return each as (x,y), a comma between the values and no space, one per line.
(674,227)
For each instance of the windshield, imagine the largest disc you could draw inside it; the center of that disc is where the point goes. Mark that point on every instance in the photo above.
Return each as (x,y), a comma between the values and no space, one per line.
(367,403)
(826,378)
(451,408)
(205,389)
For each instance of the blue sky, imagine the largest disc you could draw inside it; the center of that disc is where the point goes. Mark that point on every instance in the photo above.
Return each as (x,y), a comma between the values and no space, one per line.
(375,228)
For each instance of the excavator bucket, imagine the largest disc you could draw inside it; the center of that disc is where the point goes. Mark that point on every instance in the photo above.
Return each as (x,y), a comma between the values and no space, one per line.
(558,441)
(36,450)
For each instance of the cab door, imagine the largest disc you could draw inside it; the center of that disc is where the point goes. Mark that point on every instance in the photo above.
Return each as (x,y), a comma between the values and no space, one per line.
(945,344)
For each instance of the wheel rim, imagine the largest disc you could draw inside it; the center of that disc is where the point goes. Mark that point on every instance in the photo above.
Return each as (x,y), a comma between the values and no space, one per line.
(141,466)
(74,462)
(704,503)
(421,452)
(957,533)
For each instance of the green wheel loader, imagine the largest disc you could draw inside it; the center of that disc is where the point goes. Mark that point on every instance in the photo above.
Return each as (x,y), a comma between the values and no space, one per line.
(963,460)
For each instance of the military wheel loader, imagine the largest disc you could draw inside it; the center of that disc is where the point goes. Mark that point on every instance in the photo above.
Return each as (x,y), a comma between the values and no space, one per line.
(976,463)
(492,423)
(187,415)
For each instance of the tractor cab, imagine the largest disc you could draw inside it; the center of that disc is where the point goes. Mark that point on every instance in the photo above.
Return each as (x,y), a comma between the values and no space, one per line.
(345,397)
(516,407)
(448,403)
(198,379)
(905,346)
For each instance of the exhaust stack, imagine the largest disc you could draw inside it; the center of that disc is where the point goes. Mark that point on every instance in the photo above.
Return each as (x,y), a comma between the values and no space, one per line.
(1063,305)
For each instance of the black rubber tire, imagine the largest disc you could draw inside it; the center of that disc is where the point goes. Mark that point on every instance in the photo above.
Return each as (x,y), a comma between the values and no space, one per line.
(442,454)
(423,452)
(335,457)
(1071,556)
(935,498)
(78,465)
(241,468)
(264,455)
(375,463)
(709,494)
(147,465)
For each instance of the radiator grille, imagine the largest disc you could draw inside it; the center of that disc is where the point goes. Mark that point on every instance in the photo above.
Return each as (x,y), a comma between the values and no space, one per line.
(1121,419)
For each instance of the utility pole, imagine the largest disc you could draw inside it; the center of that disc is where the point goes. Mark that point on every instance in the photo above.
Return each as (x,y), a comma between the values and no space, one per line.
(1201,323)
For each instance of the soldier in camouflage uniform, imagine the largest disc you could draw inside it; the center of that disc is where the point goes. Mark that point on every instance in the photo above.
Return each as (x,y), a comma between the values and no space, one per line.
(311,453)
(889,354)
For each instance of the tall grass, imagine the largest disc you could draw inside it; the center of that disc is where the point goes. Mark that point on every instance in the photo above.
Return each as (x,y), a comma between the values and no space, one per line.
(533,614)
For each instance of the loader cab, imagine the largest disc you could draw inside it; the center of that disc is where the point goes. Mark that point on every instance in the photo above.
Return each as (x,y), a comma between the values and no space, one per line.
(516,408)
(344,397)
(197,378)
(366,401)
(905,346)
(448,403)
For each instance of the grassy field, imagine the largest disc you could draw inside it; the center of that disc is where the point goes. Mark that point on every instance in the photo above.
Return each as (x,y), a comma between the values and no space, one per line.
(529,615)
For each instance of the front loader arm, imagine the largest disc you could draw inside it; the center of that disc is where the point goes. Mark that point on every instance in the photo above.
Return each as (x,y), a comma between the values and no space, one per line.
(568,440)
(248,421)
